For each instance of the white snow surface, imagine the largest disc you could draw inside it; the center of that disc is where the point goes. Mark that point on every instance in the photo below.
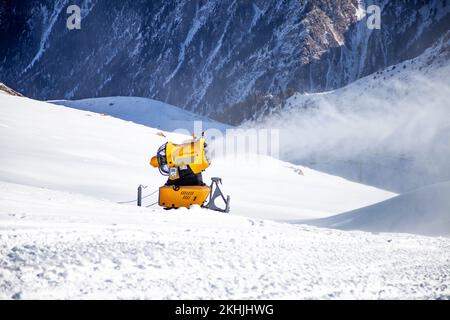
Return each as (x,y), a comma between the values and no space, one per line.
(63,235)
(63,245)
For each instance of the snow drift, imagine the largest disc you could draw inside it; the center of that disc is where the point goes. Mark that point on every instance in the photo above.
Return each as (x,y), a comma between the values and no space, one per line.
(424,211)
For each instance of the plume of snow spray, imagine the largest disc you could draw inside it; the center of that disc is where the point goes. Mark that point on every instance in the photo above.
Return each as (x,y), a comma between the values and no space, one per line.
(395,135)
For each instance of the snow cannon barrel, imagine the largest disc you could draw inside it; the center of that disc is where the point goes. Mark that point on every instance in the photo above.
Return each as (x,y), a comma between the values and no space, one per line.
(154,162)
(172,157)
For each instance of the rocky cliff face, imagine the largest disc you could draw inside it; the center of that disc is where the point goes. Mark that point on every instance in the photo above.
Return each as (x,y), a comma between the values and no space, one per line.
(6,90)
(228,59)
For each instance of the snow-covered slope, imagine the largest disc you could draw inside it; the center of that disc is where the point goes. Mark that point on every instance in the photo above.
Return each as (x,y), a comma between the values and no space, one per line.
(62,245)
(71,150)
(148,112)
(423,211)
(63,234)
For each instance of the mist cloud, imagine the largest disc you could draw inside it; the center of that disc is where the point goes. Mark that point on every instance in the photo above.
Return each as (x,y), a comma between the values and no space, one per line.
(394,134)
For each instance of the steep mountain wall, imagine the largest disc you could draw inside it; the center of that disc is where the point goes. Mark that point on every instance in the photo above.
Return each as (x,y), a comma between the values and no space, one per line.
(215,57)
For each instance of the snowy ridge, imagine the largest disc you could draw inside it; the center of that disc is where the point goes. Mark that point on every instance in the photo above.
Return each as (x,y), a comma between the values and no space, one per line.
(7,90)
(148,112)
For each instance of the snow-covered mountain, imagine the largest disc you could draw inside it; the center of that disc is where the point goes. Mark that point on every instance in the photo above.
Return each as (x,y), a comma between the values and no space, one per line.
(390,129)
(213,57)
(64,234)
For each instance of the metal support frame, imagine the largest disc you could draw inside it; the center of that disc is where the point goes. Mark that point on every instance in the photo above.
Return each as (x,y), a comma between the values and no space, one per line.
(216,192)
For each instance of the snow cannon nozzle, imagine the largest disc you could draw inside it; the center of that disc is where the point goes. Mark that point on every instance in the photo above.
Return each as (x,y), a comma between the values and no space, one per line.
(154,162)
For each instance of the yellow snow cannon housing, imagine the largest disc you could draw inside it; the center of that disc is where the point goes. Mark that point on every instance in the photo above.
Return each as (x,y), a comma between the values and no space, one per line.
(182,196)
(173,158)
(183,164)
(190,154)
(180,156)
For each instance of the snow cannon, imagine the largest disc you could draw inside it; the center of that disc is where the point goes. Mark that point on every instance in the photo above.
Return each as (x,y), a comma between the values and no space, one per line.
(183,164)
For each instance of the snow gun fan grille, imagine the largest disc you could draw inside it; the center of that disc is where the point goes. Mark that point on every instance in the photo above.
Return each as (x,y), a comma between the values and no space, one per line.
(162,160)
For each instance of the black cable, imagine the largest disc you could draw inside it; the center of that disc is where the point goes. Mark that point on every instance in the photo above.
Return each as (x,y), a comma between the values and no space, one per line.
(123,202)
(151,204)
